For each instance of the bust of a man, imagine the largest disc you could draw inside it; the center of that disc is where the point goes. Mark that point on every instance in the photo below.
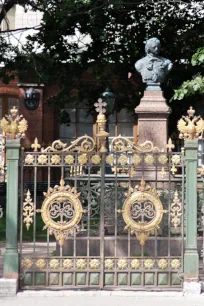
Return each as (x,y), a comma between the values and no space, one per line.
(153,67)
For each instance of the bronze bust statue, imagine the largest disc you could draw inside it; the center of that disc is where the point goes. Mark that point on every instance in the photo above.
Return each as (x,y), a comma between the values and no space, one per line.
(153,67)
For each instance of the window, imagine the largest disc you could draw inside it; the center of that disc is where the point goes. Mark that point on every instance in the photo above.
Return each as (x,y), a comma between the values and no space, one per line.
(81,124)
(12,102)
(121,123)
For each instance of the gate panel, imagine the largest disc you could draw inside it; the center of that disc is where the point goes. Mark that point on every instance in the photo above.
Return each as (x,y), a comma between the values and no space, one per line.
(79,236)
(144,259)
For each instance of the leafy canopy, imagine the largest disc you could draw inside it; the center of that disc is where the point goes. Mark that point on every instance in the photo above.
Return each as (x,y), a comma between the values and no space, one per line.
(196,85)
(84,46)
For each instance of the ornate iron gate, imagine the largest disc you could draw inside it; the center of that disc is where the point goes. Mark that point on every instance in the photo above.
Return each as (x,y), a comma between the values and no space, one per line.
(102,220)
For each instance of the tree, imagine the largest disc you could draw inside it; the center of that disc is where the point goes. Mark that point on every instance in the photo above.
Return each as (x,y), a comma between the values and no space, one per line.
(195,86)
(108,37)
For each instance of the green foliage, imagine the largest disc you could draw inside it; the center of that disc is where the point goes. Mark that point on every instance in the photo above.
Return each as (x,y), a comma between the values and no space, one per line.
(196,85)
(198,57)
(93,44)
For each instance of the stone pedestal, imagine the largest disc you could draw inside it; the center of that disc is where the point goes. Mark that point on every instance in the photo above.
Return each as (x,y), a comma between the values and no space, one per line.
(153,115)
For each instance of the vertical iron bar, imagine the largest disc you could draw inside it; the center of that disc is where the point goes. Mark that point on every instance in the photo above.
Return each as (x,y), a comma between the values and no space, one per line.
(143,166)
(115,216)
(89,208)
(48,186)
(129,186)
(156,178)
(102,219)
(169,206)
(182,216)
(21,208)
(35,202)
(116,207)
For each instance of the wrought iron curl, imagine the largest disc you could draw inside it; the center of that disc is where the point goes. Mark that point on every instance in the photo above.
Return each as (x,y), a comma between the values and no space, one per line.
(121,144)
(84,144)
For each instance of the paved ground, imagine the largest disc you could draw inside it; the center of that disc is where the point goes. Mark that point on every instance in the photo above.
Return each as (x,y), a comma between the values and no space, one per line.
(103,299)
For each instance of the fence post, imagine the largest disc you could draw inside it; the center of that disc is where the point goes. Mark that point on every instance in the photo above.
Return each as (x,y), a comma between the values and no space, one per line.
(11,258)
(191,258)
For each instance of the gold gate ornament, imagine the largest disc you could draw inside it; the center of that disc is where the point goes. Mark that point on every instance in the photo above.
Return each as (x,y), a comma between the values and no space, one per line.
(142,211)
(61,211)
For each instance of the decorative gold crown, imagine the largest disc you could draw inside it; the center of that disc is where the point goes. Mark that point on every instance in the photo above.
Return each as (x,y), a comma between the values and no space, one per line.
(190,127)
(13,125)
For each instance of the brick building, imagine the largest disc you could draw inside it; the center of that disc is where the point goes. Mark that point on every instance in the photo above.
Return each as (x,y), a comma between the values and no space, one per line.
(81,122)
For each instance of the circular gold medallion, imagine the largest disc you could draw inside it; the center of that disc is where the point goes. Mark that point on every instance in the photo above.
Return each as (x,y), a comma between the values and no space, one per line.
(142,211)
(61,211)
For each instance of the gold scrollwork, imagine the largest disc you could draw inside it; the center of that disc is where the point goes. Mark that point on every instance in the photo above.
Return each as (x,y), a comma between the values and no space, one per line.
(149,263)
(123,160)
(42,159)
(110,160)
(96,159)
(28,210)
(54,264)
(175,263)
(122,264)
(201,170)
(55,159)
(82,159)
(149,159)
(82,144)
(81,264)
(135,264)
(69,159)
(67,264)
(162,264)
(109,264)
(40,263)
(94,263)
(176,160)
(136,159)
(61,211)
(121,144)
(176,211)
(27,263)
(163,159)
(142,211)
(29,159)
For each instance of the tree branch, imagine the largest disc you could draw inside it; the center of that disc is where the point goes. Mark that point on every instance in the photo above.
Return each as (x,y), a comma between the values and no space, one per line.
(21,29)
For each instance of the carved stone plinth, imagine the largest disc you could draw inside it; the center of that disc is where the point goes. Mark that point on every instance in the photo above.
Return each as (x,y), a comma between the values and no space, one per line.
(153,115)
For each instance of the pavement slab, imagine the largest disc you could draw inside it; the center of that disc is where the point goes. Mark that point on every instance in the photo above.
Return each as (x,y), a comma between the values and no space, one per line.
(102,299)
